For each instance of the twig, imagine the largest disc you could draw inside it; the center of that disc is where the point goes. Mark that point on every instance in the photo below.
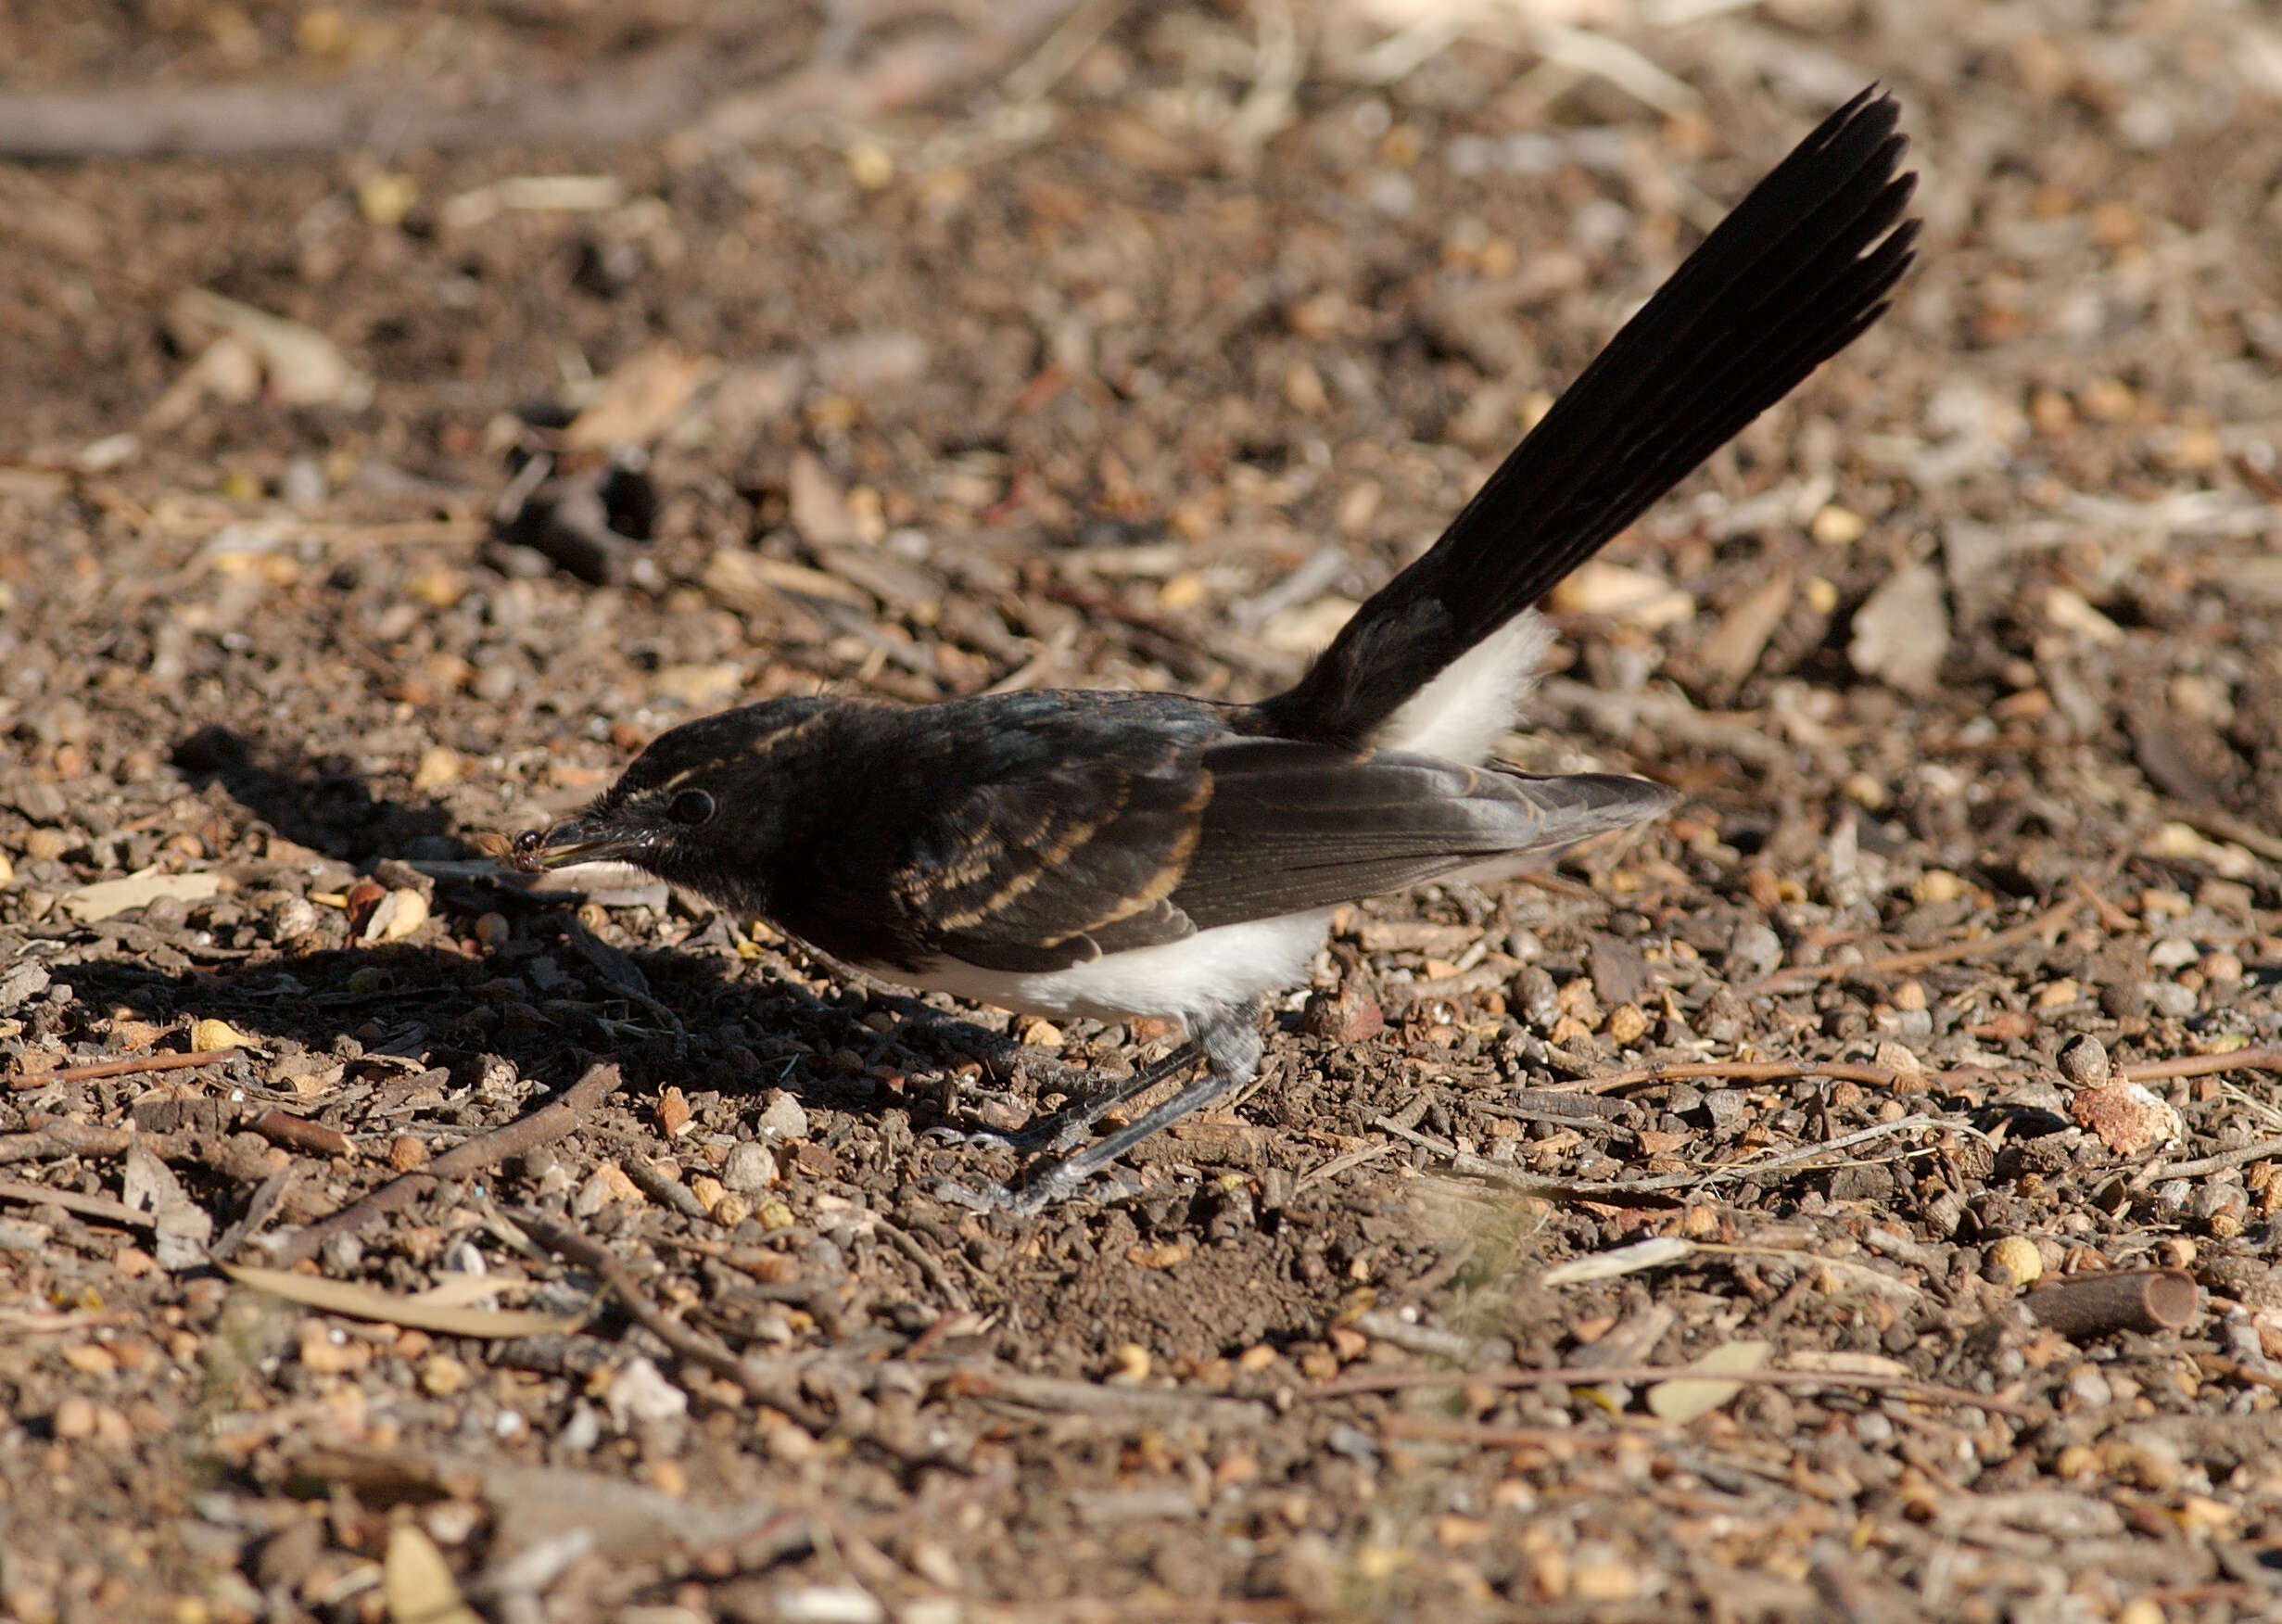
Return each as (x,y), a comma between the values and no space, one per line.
(1489,1437)
(297,1133)
(928,1340)
(929,1266)
(60,1139)
(1743,1071)
(127,1068)
(2203,1166)
(665,1192)
(915,68)
(1556,1189)
(1050,1392)
(1339,1164)
(1694,1179)
(2224,825)
(1805,1153)
(748,1376)
(1390,1381)
(2219,1364)
(651,94)
(2241,1059)
(1150,1607)
(2127,1300)
(111,1211)
(1784,980)
(549,1123)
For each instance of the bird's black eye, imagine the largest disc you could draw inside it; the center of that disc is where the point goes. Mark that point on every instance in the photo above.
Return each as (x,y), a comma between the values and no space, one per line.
(691,808)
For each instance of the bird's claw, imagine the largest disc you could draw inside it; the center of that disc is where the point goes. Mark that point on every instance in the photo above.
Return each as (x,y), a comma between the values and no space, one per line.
(982,1138)
(1031,1198)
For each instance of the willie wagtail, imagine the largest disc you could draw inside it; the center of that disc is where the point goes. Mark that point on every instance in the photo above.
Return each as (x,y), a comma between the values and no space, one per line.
(1114,854)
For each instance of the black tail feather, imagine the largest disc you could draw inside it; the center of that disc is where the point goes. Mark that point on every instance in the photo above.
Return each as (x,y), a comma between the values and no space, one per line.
(1792,275)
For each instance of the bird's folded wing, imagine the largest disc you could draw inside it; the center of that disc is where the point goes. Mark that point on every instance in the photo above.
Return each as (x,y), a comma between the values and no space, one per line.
(1061,856)
(1161,836)
(1292,827)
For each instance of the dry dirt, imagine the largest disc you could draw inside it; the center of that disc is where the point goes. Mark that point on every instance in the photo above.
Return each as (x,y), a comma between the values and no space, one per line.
(1132,363)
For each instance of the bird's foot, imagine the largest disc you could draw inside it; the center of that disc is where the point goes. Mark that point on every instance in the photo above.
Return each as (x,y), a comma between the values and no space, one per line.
(1048,1190)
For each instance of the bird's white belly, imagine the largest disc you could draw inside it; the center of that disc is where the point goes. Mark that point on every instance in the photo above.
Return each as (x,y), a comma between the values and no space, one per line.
(1227,967)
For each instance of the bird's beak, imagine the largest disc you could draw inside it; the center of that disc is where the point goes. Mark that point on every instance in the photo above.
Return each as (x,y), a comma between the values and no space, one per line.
(576,840)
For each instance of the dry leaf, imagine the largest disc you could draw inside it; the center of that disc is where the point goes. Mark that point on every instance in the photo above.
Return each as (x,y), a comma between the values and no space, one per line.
(1623,1259)
(210,1034)
(641,399)
(107,897)
(416,1583)
(1681,1399)
(460,1290)
(532,194)
(749,581)
(1304,628)
(819,509)
(1735,645)
(1845,1362)
(366,1302)
(304,367)
(396,916)
(1631,596)
(1901,633)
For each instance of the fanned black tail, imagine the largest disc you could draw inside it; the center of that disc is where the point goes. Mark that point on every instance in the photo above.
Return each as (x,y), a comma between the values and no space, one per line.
(1790,277)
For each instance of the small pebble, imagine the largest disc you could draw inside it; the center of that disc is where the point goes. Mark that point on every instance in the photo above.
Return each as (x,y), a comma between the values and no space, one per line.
(2012,1261)
(291,918)
(2170,998)
(2222,1205)
(74,1418)
(2173,953)
(45,845)
(2083,1060)
(783,1118)
(749,1168)
(325,1351)
(1346,1015)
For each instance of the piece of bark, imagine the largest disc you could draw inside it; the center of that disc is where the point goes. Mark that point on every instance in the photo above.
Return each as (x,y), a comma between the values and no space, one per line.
(2129,1300)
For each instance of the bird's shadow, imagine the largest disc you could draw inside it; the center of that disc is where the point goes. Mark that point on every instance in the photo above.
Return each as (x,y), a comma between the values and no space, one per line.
(319,802)
(703,1024)
(550,1000)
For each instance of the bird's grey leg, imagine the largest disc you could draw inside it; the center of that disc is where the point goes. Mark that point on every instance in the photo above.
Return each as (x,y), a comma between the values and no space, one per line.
(1065,1126)
(1232,1047)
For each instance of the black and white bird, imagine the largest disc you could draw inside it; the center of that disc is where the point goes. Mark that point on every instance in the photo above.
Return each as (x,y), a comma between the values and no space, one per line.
(1112,855)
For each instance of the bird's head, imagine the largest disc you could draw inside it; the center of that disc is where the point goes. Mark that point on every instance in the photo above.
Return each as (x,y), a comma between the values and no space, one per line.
(687,805)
